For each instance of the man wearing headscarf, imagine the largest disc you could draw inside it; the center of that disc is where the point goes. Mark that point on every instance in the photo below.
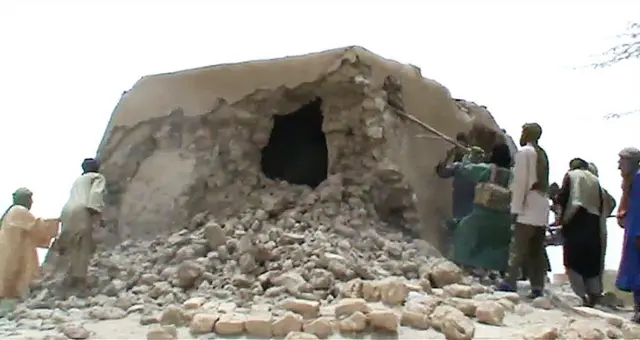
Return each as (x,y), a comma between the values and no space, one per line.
(481,239)
(580,203)
(79,216)
(608,205)
(530,211)
(629,218)
(463,189)
(20,235)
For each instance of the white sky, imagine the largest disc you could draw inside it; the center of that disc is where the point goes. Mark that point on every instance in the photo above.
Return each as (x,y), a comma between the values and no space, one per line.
(65,65)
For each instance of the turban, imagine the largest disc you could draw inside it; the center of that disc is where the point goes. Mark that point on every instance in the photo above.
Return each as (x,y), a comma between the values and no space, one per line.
(21,196)
(532,132)
(90,165)
(578,163)
(630,153)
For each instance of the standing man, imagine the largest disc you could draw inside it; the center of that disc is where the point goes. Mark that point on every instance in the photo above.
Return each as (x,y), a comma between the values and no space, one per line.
(580,201)
(629,218)
(80,215)
(463,188)
(481,239)
(21,233)
(530,211)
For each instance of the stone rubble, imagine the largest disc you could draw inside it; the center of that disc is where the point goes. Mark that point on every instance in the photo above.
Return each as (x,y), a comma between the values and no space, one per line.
(289,279)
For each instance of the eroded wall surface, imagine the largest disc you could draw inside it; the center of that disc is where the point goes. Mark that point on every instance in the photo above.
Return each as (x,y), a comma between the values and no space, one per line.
(166,169)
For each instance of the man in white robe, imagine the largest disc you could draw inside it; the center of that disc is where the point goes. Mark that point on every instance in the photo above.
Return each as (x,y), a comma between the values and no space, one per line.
(82,213)
(530,210)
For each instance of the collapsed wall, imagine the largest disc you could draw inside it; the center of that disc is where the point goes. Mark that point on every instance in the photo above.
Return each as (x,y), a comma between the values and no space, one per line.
(216,141)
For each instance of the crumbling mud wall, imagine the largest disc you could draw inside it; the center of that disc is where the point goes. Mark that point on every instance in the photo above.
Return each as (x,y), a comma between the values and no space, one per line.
(189,144)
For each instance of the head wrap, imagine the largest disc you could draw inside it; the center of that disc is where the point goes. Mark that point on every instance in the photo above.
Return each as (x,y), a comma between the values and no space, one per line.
(531,132)
(501,155)
(90,165)
(578,163)
(476,154)
(631,156)
(21,197)
(630,153)
(477,151)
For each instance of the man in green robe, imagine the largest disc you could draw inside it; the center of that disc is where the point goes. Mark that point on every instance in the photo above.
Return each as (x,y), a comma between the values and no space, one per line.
(463,189)
(481,239)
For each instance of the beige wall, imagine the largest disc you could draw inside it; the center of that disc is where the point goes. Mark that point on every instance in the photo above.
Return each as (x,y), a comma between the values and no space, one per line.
(198,91)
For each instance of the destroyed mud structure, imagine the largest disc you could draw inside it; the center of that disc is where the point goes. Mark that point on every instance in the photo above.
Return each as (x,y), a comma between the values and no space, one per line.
(215,141)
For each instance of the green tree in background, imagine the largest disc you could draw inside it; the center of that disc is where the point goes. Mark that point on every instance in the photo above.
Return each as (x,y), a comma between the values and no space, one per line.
(627,48)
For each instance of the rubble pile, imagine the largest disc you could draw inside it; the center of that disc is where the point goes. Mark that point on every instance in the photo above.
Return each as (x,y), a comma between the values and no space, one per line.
(289,277)
(328,246)
(303,252)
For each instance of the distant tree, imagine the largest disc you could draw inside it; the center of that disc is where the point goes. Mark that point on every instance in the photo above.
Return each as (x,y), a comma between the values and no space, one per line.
(615,115)
(627,48)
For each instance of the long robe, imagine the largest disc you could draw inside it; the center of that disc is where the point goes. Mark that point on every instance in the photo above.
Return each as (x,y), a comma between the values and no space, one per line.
(581,201)
(531,206)
(629,270)
(482,238)
(20,235)
(75,246)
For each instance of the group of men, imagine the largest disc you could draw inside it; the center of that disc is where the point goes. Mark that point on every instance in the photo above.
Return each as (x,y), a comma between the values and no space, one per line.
(580,204)
(464,194)
(21,232)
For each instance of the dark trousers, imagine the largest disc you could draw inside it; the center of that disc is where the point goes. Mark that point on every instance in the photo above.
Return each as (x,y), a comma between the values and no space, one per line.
(527,248)
(525,270)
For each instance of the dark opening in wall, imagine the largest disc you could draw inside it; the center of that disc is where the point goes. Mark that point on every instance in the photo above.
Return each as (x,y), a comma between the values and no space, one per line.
(297,148)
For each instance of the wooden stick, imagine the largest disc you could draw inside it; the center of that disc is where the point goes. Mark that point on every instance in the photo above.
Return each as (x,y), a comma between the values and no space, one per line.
(429,136)
(431,129)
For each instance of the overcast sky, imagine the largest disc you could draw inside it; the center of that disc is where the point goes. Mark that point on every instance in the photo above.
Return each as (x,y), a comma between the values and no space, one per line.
(65,65)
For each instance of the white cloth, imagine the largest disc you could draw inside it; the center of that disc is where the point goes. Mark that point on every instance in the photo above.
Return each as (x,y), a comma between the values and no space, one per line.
(530,206)
(87,192)
(584,192)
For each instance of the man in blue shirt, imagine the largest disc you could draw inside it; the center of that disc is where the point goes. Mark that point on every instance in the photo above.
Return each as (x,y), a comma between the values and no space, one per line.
(463,189)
